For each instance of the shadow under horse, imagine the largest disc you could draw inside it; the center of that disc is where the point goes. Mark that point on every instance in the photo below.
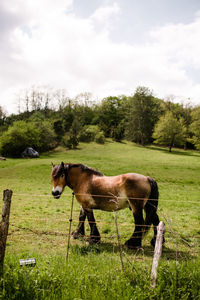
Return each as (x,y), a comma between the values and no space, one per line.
(93,190)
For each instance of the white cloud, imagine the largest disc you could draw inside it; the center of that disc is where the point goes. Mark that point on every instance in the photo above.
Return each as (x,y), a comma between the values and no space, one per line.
(104,13)
(44,42)
(180,42)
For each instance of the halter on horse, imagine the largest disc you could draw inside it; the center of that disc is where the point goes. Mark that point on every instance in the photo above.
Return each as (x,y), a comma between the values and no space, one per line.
(93,190)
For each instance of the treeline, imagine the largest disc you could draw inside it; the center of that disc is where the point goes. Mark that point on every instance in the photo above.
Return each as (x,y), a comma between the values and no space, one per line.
(49,119)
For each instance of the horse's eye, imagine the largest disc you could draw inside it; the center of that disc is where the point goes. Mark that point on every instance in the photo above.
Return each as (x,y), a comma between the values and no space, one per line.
(62,175)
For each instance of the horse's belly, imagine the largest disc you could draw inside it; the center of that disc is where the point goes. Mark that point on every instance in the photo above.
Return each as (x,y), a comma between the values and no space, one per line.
(123,201)
(87,202)
(112,203)
(104,202)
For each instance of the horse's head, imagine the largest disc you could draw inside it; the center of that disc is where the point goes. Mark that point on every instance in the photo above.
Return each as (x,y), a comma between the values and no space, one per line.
(58,176)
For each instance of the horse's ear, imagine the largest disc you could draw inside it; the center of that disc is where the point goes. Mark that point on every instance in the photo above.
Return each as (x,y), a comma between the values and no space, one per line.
(62,165)
(52,165)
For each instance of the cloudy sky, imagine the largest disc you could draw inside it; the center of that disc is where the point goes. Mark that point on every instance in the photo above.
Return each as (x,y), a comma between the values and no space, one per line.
(106,47)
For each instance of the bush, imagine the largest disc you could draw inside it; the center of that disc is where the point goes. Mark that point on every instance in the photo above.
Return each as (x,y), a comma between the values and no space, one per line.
(26,134)
(70,141)
(92,133)
(88,133)
(100,138)
(47,137)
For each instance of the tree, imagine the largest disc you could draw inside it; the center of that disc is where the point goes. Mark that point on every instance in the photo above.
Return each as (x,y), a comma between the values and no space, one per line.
(68,116)
(2,117)
(19,136)
(195,127)
(24,134)
(58,128)
(144,111)
(110,117)
(84,113)
(169,131)
(180,111)
(71,140)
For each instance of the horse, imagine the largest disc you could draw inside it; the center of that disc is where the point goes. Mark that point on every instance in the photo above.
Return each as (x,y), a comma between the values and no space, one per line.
(93,190)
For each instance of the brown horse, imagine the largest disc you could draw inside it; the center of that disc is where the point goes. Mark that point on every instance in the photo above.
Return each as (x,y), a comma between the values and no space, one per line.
(93,190)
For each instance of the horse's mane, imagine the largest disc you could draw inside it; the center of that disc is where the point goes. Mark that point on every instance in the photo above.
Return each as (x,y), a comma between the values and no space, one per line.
(84,168)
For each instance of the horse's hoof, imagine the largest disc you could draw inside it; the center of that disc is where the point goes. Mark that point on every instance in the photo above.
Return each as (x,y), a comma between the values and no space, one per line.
(77,234)
(94,240)
(133,243)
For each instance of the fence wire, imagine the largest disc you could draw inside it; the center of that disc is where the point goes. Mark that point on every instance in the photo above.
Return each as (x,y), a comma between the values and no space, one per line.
(108,196)
(17,230)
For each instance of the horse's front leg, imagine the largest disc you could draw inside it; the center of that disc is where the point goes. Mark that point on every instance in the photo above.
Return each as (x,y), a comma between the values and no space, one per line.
(136,239)
(94,232)
(80,230)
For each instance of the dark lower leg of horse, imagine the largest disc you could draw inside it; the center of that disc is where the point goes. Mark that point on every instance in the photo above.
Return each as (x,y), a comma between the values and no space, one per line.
(94,232)
(80,230)
(136,239)
(156,221)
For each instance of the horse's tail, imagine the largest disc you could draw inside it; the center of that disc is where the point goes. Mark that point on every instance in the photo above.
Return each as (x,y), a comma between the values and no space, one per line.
(151,205)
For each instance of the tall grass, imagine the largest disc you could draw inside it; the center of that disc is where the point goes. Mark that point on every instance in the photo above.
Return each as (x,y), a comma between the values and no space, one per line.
(87,277)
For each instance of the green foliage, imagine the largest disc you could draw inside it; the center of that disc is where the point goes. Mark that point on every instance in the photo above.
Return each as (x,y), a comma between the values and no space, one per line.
(71,139)
(21,134)
(2,119)
(47,137)
(68,117)
(110,116)
(169,131)
(88,133)
(18,137)
(99,138)
(37,116)
(118,117)
(195,127)
(143,114)
(58,128)
(85,114)
(91,133)
(118,132)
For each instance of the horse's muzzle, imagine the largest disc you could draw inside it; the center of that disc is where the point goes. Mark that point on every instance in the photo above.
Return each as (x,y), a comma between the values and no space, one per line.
(56,194)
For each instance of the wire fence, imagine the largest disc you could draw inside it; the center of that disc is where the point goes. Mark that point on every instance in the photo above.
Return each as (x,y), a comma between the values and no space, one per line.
(197,201)
(114,238)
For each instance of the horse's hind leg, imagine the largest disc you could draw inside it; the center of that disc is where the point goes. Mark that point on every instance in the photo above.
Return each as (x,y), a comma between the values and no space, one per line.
(136,239)
(80,230)
(155,221)
(94,232)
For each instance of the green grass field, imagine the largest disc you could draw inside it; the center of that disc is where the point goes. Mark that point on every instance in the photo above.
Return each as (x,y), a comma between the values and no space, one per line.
(39,226)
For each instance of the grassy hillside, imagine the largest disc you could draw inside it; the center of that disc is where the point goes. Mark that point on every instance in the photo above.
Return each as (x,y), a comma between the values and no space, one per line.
(39,224)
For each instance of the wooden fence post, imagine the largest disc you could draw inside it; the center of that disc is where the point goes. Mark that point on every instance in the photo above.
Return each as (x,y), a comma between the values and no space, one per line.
(4,225)
(157,252)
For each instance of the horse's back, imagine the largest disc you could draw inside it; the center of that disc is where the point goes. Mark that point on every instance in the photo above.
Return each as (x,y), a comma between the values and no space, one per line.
(126,188)
(130,182)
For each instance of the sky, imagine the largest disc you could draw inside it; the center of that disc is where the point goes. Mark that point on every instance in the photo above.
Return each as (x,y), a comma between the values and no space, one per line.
(104,47)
